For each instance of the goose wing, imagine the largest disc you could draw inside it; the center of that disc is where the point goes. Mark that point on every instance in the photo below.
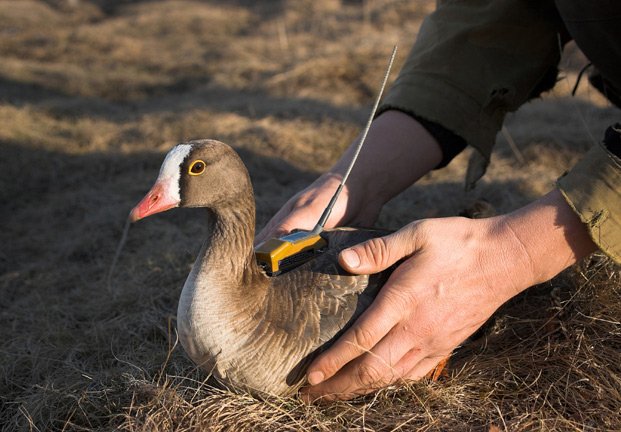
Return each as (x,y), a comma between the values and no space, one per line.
(342,297)
(322,299)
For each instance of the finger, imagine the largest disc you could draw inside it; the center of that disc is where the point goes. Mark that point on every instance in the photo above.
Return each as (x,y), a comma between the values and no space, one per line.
(279,227)
(368,330)
(333,389)
(371,327)
(345,385)
(377,254)
(275,227)
(439,370)
(377,368)
(268,233)
(352,381)
(426,367)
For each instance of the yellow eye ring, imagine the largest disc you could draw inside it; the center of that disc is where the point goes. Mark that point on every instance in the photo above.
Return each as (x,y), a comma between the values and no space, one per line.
(197,167)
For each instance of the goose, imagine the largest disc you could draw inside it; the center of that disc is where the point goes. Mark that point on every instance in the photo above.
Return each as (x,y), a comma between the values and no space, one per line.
(252,332)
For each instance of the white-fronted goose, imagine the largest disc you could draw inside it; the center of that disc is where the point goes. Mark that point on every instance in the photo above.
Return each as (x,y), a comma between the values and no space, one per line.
(251,331)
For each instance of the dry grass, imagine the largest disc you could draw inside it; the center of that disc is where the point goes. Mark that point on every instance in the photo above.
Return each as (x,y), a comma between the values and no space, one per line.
(93,93)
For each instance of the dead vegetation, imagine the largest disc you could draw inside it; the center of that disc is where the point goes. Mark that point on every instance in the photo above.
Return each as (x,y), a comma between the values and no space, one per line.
(93,93)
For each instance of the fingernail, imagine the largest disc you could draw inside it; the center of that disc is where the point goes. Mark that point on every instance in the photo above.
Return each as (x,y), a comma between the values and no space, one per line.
(315,378)
(351,258)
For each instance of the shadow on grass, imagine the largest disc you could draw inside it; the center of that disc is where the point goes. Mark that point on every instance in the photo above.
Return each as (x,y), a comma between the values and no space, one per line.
(62,216)
(70,338)
(267,8)
(178,97)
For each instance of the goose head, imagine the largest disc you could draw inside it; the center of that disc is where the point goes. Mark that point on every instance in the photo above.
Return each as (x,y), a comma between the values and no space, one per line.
(201,173)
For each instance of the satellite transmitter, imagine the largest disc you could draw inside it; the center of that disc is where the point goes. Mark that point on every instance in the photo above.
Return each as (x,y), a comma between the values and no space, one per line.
(278,255)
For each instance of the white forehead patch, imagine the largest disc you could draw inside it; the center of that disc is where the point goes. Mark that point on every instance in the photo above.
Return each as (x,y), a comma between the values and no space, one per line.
(171,171)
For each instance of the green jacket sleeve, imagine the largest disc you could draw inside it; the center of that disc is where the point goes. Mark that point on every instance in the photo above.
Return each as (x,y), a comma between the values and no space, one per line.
(593,190)
(474,61)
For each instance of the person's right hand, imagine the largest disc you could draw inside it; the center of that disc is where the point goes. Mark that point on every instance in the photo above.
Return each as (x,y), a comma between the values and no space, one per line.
(304,209)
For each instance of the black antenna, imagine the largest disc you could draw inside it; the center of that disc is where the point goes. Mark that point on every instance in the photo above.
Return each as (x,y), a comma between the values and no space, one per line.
(326,213)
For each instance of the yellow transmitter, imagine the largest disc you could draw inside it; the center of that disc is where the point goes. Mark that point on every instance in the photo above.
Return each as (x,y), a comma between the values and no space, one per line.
(278,255)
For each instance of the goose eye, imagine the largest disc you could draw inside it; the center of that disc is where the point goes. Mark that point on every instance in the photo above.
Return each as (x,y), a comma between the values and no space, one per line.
(197,167)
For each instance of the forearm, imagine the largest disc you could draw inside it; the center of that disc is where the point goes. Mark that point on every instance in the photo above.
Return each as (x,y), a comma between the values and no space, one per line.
(397,152)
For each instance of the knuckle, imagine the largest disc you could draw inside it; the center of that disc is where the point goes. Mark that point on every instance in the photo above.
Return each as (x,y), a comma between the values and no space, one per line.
(285,226)
(299,203)
(421,229)
(331,364)
(414,236)
(368,375)
(377,251)
(400,299)
(363,338)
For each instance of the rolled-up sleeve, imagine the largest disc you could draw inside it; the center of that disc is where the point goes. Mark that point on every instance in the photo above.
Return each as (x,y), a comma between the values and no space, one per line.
(593,190)
(474,61)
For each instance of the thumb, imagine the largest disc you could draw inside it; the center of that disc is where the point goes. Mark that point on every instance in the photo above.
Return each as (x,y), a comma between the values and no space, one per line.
(377,254)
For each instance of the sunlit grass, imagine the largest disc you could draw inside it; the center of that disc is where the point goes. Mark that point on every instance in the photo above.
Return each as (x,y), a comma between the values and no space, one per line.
(93,94)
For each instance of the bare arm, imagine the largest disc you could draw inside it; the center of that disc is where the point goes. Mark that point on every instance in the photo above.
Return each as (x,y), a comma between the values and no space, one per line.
(397,152)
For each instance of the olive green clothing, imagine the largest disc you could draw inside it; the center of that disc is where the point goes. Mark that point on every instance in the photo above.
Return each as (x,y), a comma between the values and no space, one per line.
(476,60)
(593,190)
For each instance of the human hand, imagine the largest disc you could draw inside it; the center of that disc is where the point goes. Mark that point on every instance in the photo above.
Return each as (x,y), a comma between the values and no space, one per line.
(397,152)
(304,209)
(456,273)
(445,289)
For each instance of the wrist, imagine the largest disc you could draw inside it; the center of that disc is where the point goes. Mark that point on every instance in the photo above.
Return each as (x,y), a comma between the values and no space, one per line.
(548,237)
(358,207)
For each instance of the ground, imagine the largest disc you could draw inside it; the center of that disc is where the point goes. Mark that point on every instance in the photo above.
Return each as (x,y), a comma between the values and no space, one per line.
(94,93)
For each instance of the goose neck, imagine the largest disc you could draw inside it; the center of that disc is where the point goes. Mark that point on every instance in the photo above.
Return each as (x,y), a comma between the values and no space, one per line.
(229,249)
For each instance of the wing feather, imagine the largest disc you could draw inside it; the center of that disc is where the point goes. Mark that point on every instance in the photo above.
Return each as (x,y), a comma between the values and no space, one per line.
(325,299)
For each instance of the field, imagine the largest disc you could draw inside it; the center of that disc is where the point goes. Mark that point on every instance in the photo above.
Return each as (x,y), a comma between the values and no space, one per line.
(94,93)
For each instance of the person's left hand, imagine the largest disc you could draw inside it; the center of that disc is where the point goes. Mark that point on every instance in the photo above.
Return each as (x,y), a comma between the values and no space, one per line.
(457,272)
